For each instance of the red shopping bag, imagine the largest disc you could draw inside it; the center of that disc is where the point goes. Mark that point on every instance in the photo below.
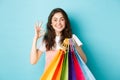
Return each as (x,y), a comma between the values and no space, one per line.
(78,70)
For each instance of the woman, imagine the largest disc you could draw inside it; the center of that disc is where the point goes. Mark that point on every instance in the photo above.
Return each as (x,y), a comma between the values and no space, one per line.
(58,28)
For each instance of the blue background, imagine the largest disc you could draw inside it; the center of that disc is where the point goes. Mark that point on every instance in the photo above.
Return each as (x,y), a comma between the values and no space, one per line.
(95,22)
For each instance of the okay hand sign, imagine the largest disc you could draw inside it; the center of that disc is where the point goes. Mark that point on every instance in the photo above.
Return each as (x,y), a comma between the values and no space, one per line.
(38,30)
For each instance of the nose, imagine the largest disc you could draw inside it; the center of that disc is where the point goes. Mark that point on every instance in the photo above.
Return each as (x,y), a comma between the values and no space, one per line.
(58,22)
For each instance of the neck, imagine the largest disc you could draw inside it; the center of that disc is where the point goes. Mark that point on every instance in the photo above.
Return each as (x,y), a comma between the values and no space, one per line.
(58,33)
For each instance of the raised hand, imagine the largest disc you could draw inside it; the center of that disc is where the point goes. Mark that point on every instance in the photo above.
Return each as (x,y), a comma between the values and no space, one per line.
(38,30)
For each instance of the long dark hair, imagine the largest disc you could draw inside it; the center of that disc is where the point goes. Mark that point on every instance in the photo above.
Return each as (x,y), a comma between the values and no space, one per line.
(49,37)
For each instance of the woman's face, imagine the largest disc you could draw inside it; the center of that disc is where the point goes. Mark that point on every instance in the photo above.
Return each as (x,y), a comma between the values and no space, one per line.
(58,22)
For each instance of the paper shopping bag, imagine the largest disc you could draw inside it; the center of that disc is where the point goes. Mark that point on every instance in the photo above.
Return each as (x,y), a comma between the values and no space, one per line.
(57,73)
(49,72)
(64,73)
(71,68)
(78,69)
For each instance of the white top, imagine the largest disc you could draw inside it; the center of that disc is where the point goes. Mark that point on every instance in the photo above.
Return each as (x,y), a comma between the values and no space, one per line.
(57,39)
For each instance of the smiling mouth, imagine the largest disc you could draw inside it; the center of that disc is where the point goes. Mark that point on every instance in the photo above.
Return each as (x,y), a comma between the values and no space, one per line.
(59,27)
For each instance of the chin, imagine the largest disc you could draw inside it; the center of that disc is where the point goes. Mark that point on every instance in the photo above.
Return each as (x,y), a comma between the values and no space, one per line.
(59,30)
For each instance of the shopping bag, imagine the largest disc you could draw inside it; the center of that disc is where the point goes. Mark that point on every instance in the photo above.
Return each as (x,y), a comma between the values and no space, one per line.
(71,75)
(57,73)
(75,72)
(49,72)
(87,73)
(64,73)
(78,69)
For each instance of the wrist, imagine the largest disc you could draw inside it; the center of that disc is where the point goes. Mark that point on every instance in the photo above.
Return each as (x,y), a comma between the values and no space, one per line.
(35,38)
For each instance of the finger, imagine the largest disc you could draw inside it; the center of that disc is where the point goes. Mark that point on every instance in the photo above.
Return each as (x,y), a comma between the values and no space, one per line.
(36,24)
(40,24)
(36,27)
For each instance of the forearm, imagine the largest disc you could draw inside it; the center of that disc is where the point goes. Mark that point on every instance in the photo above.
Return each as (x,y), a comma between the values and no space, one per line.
(34,52)
(81,53)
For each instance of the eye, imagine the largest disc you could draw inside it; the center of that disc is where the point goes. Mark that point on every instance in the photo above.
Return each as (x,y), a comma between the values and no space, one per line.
(62,19)
(55,20)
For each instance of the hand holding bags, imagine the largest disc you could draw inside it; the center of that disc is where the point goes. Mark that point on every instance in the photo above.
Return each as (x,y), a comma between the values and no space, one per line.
(67,65)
